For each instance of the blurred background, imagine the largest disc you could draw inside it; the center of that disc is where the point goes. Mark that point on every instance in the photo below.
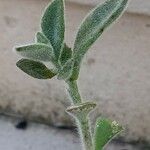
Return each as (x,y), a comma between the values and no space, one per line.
(115,73)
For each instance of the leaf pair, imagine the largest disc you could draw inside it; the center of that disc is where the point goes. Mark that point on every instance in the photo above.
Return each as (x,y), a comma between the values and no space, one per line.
(33,66)
(91,28)
(49,43)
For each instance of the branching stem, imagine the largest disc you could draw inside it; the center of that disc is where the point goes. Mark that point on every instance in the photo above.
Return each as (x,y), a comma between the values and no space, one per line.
(83,122)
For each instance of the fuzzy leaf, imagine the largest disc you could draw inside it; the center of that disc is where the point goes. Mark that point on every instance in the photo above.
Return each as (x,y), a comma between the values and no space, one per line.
(65,55)
(105,131)
(93,26)
(40,52)
(35,69)
(53,25)
(65,72)
(41,38)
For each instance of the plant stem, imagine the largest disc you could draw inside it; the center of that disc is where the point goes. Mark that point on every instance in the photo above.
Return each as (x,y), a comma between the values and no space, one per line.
(74,92)
(83,122)
(85,132)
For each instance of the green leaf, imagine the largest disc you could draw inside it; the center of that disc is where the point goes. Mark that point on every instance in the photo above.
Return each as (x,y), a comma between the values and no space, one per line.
(66,71)
(53,25)
(93,26)
(65,55)
(40,52)
(41,38)
(35,69)
(105,131)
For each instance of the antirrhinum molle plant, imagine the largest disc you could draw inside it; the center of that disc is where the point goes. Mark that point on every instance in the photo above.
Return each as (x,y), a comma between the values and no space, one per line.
(50,48)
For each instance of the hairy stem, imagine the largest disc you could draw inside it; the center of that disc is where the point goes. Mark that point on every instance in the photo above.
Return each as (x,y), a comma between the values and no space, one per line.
(83,122)
(85,132)
(74,92)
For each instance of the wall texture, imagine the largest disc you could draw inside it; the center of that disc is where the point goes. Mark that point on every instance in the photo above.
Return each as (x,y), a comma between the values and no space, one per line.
(115,73)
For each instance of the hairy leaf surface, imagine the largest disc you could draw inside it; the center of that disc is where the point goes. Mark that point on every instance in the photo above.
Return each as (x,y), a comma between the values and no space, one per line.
(105,130)
(65,72)
(41,38)
(53,25)
(35,69)
(65,55)
(40,52)
(93,26)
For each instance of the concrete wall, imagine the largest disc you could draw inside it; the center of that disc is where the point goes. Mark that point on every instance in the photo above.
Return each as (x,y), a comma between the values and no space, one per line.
(115,73)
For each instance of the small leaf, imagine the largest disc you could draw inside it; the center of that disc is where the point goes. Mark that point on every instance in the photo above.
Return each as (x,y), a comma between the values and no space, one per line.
(53,25)
(93,26)
(40,52)
(41,38)
(66,71)
(105,131)
(65,55)
(35,69)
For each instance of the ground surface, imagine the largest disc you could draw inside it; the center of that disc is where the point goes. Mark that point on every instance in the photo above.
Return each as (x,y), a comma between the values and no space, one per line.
(41,137)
